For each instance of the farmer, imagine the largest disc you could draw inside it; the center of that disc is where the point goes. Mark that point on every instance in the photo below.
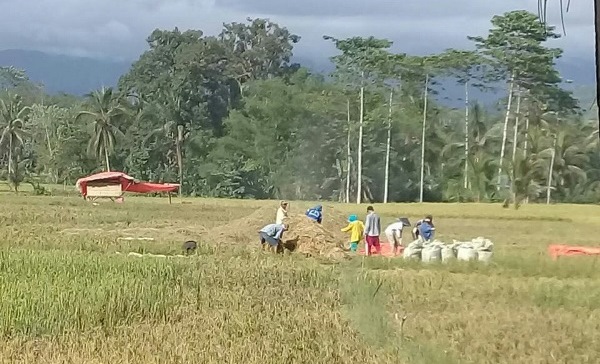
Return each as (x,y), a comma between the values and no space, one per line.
(315,214)
(271,234)
(282,212)
(356,228)
(415,231)
(426,229)
(372,229)
(393,234)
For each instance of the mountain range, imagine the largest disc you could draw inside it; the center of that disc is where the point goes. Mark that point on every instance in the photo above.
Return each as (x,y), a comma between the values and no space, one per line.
(78,75)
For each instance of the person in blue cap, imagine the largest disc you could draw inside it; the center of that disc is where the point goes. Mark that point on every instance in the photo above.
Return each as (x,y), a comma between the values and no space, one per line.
(315,214)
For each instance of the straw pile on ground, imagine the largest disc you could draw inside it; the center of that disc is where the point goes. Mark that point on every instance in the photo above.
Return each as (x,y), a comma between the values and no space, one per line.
(307,237)
(243,230)
(304,236)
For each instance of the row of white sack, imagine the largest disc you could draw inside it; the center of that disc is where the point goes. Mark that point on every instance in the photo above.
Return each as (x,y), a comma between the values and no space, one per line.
(438,251)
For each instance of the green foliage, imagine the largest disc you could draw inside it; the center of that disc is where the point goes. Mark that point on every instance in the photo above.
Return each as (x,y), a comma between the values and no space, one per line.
(11,77)
(13,117)
(231,116)
(106,109)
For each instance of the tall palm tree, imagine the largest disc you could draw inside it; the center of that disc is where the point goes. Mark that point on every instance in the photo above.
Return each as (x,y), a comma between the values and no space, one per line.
(567,159)
(172,128)
(13,116)
(564,7)
(523,173)
(106,108)
(480,162)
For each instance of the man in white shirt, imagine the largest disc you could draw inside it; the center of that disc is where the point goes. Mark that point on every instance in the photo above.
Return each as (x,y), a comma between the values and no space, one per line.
(282,212)
(393,234)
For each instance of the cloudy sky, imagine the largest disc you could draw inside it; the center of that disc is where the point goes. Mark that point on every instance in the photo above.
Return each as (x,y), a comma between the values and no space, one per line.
(118,28)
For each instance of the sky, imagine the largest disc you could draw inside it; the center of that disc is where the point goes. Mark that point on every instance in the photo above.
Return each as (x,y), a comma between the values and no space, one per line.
(117,29)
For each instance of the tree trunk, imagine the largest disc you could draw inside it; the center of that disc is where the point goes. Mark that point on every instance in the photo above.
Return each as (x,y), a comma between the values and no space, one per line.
(387,151)
(526,142)
(179,145)
(360,141)
(550,170)
(10,155)
(597,46)
(106,159)
(422,182)
(10,176)
(348,156)
(505,131)
(516,133)
(466,177)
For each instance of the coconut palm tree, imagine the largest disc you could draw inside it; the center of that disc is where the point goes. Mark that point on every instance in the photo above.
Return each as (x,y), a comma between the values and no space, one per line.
(567,160)
(13,116)
(106,109)
(172,128)
(564,6)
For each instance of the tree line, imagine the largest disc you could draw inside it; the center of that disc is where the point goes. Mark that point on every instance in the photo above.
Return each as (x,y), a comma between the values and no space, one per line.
(231,116)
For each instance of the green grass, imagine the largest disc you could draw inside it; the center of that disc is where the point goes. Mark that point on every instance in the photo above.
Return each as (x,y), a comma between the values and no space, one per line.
(67,296)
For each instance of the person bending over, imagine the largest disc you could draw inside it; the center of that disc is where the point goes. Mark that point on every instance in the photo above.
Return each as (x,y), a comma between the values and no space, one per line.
(357,229)
(393,234)
(315,214)
(270,236)
(415,231)
(426,230)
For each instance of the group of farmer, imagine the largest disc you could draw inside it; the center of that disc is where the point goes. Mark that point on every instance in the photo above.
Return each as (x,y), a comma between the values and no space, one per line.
(370,230)
(270,235)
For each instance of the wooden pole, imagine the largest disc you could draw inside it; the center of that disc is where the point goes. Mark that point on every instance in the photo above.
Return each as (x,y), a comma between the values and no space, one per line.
(170,198)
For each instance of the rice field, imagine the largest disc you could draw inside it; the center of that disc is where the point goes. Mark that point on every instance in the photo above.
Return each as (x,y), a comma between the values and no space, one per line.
(70,294)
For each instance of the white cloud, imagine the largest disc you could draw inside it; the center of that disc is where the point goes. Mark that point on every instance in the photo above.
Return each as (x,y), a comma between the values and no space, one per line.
(118,29)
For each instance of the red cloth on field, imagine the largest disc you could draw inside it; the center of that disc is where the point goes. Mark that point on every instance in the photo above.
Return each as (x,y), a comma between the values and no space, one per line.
(373,242)
(557,250)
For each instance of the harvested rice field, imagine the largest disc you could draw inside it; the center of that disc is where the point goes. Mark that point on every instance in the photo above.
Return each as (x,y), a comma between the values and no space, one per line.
(72,292)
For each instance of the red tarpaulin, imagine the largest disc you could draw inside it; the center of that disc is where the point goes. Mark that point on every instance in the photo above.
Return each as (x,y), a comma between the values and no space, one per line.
(128,183)
(557,250)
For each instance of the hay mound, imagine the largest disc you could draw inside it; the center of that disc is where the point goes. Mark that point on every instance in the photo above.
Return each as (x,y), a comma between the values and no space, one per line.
(242,230)
(304,236)
(307,237)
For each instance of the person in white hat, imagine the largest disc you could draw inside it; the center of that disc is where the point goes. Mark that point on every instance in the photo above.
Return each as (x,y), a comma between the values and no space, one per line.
(282,212)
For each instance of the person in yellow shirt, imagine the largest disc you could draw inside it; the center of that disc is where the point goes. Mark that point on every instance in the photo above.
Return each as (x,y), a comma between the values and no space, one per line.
(357,229)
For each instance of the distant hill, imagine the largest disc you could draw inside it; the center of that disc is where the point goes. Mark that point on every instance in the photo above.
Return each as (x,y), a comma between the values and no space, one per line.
(59,73)
(78,76)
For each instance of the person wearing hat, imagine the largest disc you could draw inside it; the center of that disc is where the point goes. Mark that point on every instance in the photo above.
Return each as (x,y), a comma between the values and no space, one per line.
(393,234)
(282,212)
(356,228)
